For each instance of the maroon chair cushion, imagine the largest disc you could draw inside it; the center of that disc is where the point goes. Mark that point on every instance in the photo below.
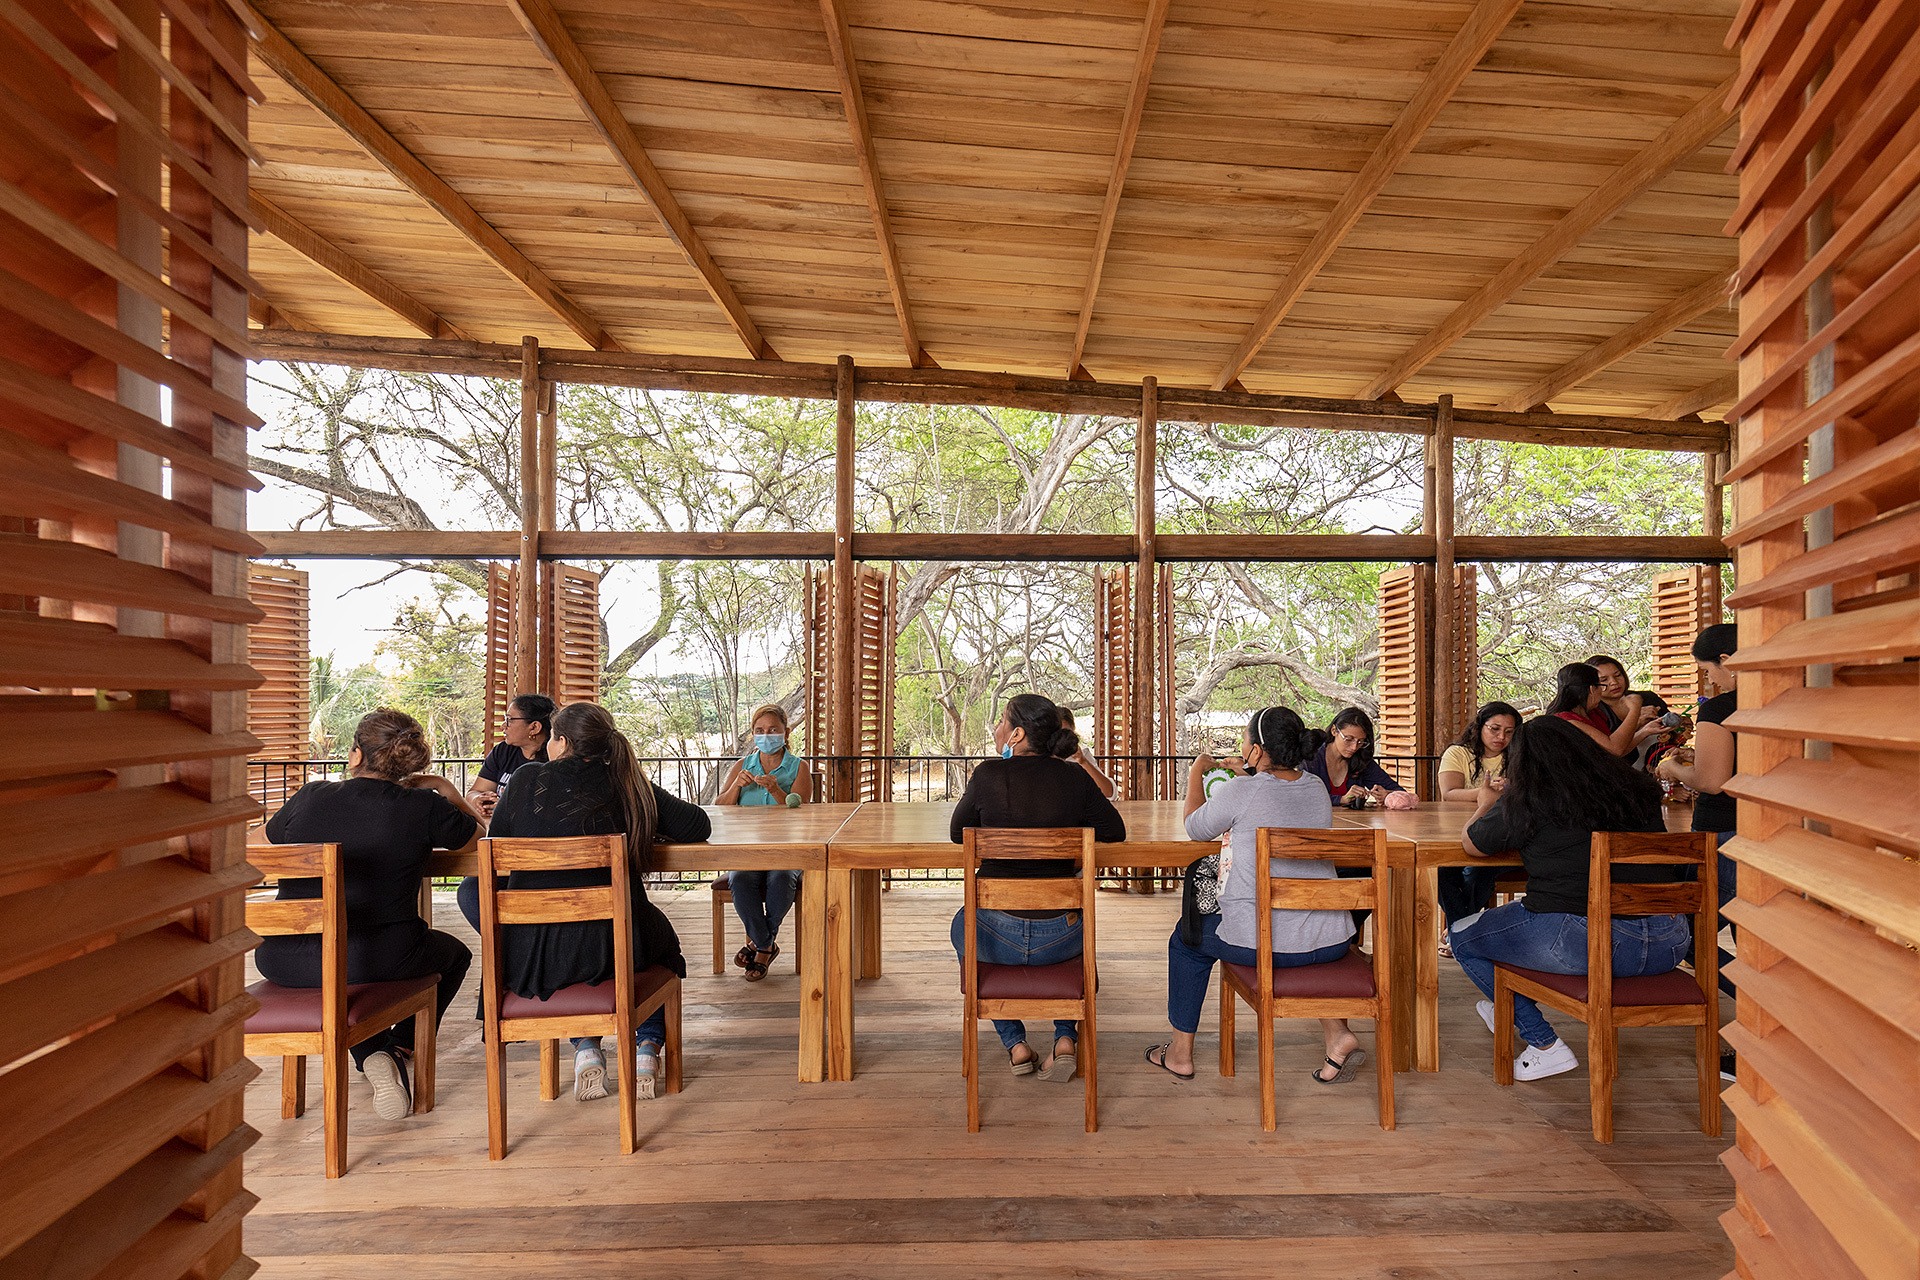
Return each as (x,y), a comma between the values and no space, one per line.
(1348,978)
(584,999)
(723,883)
(296,1010)
(1675,986)
(1063,981)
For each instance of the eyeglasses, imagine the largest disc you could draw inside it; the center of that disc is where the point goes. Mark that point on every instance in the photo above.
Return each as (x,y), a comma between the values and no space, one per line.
(520,720)
(1354,741)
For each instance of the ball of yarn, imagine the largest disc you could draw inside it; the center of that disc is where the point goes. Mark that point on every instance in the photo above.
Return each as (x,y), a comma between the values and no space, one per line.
(1401,800)
(793,801)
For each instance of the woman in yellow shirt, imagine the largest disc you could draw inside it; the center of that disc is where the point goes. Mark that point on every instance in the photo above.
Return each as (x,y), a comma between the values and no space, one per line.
(1479,752)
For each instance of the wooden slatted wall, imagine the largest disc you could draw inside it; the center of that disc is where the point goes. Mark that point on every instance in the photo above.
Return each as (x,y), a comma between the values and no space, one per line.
(279,711)
(122,660)
(1463,651)
(1827,537)
(1400,682)
(569,633)
(1172,782)
(1113,729)
(818,591)
(874,644)
(1683,602)
(503,581)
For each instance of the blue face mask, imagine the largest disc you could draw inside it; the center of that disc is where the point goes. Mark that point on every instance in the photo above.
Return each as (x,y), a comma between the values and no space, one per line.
(1006,752)
(770,743)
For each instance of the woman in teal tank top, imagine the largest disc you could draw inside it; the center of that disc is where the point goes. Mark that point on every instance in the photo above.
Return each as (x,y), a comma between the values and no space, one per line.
(768,775)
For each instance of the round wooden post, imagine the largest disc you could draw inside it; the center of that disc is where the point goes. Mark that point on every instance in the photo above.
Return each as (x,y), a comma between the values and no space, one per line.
(1145,445)
(526,605)
(844,629)
(1446,623)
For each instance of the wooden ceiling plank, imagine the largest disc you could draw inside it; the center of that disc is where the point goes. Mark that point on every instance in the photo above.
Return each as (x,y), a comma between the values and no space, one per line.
(1117,178)
(320,89)
(1706,120)
(1719,391)
(557,46)
(853,102)
(330,257)
(1462,54)
(1695,302)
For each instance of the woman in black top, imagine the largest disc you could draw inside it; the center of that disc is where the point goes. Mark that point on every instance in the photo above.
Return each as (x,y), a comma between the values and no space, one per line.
(387,817)
(1561,788)
(1035,783)
(529,728)
(1714,763)
(591,786)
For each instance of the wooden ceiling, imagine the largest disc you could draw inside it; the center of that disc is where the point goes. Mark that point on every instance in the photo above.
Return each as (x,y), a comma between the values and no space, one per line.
(1514,201)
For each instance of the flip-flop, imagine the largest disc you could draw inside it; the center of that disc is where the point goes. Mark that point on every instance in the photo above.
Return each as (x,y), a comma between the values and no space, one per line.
(1343,1071)
(1020,1066)
(1062,1067)
(1181,1076)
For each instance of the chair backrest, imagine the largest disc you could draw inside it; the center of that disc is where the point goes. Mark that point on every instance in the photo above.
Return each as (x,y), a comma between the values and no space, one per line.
(1698,898)
(325,915)
(1342,846)
(500,907)
(1054,893)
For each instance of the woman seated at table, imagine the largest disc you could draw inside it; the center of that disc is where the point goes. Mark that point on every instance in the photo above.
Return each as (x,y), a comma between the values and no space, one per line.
(1084,758)
(1278,793)
(1561,788)
(1478,754)
(1615,710)
(1576,700)
(591,786)
(1342,758)
(770,774)
(529,725)
(387,816)
(1035,783)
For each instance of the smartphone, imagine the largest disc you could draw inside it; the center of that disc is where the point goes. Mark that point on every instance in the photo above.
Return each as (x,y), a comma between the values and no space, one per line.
(1671,720)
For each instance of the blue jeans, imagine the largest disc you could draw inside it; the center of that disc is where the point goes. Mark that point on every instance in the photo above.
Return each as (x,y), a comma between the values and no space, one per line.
(762,899)
(1008,939)
(1190,969)
(1556,942)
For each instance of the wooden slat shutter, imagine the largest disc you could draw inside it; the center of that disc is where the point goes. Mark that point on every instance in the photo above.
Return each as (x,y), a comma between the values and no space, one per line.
(503,581)
(1401,681)
(1827,1154)
(819,638)
(1682,604)
(278,711)
(1113,675)
(569,633)
(873,659)
(123,675)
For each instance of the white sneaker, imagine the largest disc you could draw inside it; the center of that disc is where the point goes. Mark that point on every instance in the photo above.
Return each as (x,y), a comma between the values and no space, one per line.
(589,1074)
(1538,1064)
(1485,1009)
(391,1098)
(646,1072)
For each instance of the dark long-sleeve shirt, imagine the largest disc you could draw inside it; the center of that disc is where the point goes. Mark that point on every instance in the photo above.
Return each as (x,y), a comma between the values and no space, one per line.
(1035,791)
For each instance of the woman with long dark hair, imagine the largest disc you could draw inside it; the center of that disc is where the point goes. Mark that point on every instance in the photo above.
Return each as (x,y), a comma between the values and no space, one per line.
(1478,755)
(1036,782)
(1342,758)
(591,785)
(1561,788)
(388,816)
(1277,792)
(1576,699)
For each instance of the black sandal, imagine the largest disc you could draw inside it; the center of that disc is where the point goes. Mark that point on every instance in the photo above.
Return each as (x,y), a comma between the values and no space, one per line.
(1182,1076)
(1342,1071)
(757,968)
(744,956)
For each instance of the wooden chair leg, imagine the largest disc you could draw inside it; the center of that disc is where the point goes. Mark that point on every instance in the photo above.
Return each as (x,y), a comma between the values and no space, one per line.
(721,901)
(496,1057)
(970,1067)
(1226,1025)
(1383,1047)
(1269,1109)
(333,1105)
(1706,1052)
(549,1070)
(799,919)
(1089,1066)
(676,1045)
(1602,1049)
(1502,1029)
(293,1086)
(426,1034)
(629,1083)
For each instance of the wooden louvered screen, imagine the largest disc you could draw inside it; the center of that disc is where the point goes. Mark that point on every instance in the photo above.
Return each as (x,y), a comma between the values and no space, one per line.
(1827,1153)
(1172,783)
(503,580)
(123,705)
(569,633)
(1113,729)
(279,711)
(874,644)
(1463,651)
(1401,684)
(1683,603)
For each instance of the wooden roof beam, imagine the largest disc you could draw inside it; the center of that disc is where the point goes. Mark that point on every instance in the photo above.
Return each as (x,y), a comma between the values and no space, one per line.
(1694,303)
(1117,176)
(1702,123)
(1687,403)
(557,46)
(1462,54)
(330,257)
(318,88)
(854,103)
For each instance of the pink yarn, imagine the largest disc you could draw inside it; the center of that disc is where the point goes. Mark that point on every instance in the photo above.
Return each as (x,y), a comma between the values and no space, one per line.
(1401,800)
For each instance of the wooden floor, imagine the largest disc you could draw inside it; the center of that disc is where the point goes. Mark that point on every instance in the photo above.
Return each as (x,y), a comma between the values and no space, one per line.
(748,1172)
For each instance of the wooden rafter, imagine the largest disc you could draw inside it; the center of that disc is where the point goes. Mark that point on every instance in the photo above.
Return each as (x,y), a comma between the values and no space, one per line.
(320,89)
(1702,123)
(330,257)
(557,46)
(1695,302)
(1719,391)
(1117,177)
(1463,53)
(853,102)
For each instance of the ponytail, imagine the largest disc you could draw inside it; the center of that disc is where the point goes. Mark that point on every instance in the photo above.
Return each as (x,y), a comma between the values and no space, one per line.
(592,736)
(1281,733)
(1041,719)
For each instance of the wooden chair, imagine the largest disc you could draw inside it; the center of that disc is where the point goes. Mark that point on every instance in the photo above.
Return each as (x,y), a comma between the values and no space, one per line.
(1606,1003)
(722,899)
(1349,987)
(1064,990)
(330,1019)
(612,1008)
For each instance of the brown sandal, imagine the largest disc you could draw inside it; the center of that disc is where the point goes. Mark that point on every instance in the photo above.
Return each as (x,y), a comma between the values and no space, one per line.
(744,956)
(757,968)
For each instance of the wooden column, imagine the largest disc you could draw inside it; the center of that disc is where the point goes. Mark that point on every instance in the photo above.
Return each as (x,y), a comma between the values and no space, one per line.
(526,605)
(1446,603)
(549,456)
(1713,523)
(844,628)
(1140,777)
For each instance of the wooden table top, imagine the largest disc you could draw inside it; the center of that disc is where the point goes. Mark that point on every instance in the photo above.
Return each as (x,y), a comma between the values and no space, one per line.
(918,835)
(1434,829)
